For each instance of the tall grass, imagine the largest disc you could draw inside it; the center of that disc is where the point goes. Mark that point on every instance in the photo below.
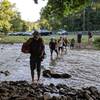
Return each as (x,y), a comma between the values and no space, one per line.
(97,42)
(21,39)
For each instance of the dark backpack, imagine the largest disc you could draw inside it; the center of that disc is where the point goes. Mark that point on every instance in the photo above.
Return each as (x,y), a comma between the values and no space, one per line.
(26,46)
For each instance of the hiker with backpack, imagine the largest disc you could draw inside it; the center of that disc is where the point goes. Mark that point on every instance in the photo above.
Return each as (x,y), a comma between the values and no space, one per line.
(36,48)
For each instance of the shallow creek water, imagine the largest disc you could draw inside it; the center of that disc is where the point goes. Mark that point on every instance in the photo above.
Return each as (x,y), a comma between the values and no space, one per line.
(82,65)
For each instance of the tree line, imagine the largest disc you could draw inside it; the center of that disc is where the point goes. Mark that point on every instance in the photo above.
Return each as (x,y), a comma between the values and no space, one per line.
(10,19)
(72,15)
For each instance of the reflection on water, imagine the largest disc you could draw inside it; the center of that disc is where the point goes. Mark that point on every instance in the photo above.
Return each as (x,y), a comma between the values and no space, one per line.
(83,65)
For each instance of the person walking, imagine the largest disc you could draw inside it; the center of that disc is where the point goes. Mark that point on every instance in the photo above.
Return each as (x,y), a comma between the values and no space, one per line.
(72,43)
(79,38)
(90,39)
(60,45)
(37,52)
(53,47)
(65,43)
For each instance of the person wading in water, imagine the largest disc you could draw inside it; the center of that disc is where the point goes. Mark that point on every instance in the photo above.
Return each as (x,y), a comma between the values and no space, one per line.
(37,52)
(90,39)
(79,38)
(60,45)
(53,47)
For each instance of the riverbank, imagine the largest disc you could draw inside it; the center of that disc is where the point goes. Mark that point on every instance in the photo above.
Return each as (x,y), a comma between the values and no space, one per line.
(21,39)
(22,90)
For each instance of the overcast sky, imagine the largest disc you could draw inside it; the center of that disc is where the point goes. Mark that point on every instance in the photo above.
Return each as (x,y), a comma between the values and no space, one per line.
(28,9)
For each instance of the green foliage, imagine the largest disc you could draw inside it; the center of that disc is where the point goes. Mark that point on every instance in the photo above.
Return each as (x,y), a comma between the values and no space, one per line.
(75,22)
(43,23)
(97,42)
(57,10)
(25,27)
(16,22)
(60,8)
(70,15)
(20,39)
(6,11)
(10,19)
(13,39)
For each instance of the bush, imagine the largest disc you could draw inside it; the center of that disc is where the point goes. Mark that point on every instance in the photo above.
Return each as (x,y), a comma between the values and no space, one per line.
(97,42)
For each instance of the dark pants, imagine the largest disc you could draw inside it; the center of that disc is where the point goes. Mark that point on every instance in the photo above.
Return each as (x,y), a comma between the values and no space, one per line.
(79,37)
(35,64)
(51,50)
(71,46)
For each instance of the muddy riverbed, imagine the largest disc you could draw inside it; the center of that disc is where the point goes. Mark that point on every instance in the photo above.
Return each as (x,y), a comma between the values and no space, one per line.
(82,65)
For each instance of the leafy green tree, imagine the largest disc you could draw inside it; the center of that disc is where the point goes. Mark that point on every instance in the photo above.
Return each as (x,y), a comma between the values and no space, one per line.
(44,24)
(16,22)
(60,9)
(10,18)
(6,11)
(73,15)
(25,26)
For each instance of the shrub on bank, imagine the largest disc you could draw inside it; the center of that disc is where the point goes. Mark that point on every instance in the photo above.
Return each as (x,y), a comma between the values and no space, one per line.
(13,39)
(97,42)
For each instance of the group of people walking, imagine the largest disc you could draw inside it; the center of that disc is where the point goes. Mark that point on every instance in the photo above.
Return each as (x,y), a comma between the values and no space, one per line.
(36,47)
(79,39)
(58,45)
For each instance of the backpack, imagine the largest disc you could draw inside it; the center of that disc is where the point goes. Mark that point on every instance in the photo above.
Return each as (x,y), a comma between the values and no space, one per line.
(26,46)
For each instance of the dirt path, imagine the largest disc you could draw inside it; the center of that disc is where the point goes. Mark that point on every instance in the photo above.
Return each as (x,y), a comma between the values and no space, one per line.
(83,65)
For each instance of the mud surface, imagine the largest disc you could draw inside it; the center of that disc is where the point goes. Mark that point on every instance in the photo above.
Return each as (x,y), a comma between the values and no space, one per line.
(82,65)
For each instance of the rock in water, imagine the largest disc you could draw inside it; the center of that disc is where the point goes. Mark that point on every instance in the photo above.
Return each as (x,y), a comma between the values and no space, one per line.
(49,74)
(65,76)
(6,73)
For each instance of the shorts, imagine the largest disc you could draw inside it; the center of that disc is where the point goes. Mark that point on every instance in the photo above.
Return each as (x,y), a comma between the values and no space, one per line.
(79,38)
(33,63)
(60,48)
